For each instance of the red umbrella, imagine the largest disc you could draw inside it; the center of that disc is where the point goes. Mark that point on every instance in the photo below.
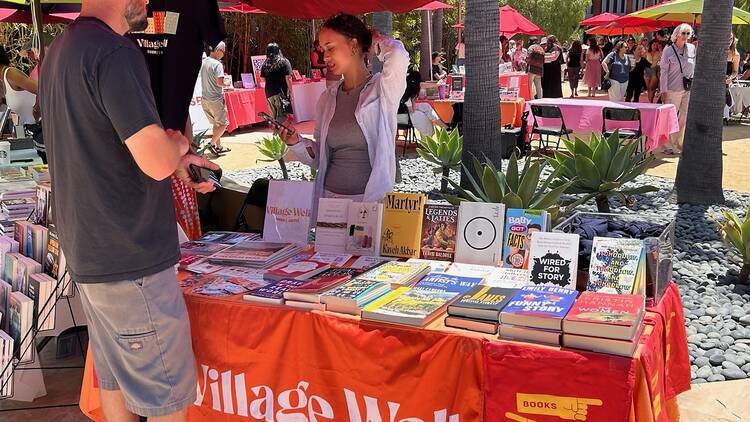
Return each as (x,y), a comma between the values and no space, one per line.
(512,23)
(435,5)
(23,16)
(628,25)
(322,9)
(243,8)
(601,19)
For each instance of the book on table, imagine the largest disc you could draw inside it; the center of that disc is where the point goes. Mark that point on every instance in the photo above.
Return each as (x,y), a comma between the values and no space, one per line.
(529,334)
(482,303)
(519,224)
(397,273)
(200,248)
(402,224)
(439,227)
(364,225)
(272,293)
(21,310)
(6,369)
(255,254)
(554,259)
(435,266)
(493,276)
(480,233)
(471,324)
(617,266)
(350,297)
(298,270)
(610,346)
(316,286)
(542,307)
(307,306)
(605,315)
(228,238)
(331,227)
(288,211)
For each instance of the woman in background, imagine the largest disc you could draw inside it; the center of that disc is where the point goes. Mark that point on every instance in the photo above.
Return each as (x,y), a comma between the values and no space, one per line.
(316,58)
(553,60)
(422,115)
(636,81)
(20,91)
(617,69)
(592,77)
(575,55)
(276,72)
(677,68)
(651,74)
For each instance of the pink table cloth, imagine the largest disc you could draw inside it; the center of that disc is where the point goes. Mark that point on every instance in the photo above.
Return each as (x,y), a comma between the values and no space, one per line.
(243,106)
(584,115)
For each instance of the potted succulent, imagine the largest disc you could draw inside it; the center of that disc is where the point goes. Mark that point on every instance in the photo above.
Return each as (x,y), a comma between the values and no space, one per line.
(273,148)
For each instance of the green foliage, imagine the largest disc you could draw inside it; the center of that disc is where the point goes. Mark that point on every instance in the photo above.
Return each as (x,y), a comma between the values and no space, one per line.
(273,148)
(444,150)
(742,32)
(13,36)
(516,188)
(559,18)
(199,146)
(736,232)
(600,167)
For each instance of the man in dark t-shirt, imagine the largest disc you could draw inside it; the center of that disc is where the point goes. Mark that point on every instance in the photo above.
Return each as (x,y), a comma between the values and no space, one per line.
(110,160)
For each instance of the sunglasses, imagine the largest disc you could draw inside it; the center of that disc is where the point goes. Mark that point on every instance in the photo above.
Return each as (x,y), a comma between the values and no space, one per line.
(686,33)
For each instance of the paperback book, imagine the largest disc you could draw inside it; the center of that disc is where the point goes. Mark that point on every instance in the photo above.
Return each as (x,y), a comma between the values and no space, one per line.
(7,245)
(605,315)
(288,211)
(21,310)
(254,254)
(435,266)
(5,290)
(482,303)
(201,249)
(349,297)
(42,290)
(272,293)
(480,233)
(397,273)
(541,307)
(402,224)
(617,266)
(364,226)
(323,282)
(300,270)
(228,238)
(6,369)
(519,225)
(439,232)
(331,227)
(554,259)
(471,324)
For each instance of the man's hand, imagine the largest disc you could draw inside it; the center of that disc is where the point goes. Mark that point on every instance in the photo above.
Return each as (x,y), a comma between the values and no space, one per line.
(183,174)
(178,138)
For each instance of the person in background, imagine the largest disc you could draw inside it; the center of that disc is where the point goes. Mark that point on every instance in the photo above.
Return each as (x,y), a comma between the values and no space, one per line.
(316,57)
(662,37)
(631,46)
(651,74)
(504,56)
(276,72)
(423,116)
(511,47)
(553,60)
(355,125)
(575,56)
(592,76)
(636,80)
(644,42)
(438,71)
(460,52)
(519,57)
(535,61)
(607,47)
(110,162)
(20,91)
(677,66)
(745,68)
(32,53)
(617,69)
(733,71)
(213,103)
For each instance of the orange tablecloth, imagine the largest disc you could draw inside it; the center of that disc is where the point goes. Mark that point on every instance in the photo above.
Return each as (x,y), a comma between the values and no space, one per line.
(510,111)
(518,80)
(257,362)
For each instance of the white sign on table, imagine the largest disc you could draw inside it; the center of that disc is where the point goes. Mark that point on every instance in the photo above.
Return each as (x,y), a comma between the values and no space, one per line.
(197,115)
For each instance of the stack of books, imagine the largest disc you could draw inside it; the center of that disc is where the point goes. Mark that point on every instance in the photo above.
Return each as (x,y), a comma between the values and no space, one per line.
(6,369)
(536,313)
(18,209)
(479,309)
(272,293)
(418,305)
(254,254)
(605,323)
(292,269)
(397,274)
(308,296)
(350,297)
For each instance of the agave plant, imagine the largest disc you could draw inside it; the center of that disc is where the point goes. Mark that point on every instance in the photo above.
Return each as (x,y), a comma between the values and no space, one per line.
(444,150)
(600,168)
(273,148)
(516,188)
(737,233)
(199,146)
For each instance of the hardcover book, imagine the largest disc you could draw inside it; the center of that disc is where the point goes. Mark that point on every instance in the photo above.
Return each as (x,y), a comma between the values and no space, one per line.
(435,266)
(480,233)
(610,346)
(605,315)
(323,282)
(299,270)
(519,225)
(397,273)
(272,293)
(228,238)
(478,325)
(554,259)
(439,232)
(482,302)
(616,266)
(288,211)
(402,224)
(364,226)
(254,254)
(538,307)
(331,229)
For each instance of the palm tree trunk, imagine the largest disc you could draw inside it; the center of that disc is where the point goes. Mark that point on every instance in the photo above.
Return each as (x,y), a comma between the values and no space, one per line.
(437,30)
(745,272)
(482,99)
(383,23)
(699,172)
(425,61)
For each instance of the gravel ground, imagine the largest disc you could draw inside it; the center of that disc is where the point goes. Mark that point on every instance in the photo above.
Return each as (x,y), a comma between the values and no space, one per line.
(717,309)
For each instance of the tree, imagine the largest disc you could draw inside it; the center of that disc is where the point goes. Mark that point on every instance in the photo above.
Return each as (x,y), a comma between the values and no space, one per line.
(699,171)
(558,17)
(743,31)
(383,23)
(437,30)
(425,63)
(481,119)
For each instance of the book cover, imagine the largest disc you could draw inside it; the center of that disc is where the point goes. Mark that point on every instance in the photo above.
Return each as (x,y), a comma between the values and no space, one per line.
(534,303)
(480,233)
(439,228)
(511,278)
(365,262)
(331,227)
(196,248)
(42,292)
(554,259)
(52,260)
(21,314)
(409,306)
(402,224)
(6,369)
(519,224)
(605,315)
(356,289)
(615,265)
(482,302)
(396,273)
(228,238)
(328,279)
(435,266)
(299,270)
(5,290)
(364,225)
(272,293)
(448,283)
(249,251)
(288,211)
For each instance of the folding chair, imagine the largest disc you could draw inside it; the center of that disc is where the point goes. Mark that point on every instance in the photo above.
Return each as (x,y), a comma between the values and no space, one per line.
(256,197)
(404,127)
(544,132)
(624,115)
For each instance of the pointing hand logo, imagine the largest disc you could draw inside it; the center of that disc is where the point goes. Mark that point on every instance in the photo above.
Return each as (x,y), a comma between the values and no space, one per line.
(566,408)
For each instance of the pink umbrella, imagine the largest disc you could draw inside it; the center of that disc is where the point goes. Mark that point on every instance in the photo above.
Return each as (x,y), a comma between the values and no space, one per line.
(628,25)
(23,16)
(435,5)
(243,8)
(601,19)
(512,23)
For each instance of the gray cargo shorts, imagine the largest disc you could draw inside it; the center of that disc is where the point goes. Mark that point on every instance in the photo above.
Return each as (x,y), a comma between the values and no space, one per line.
(140,339)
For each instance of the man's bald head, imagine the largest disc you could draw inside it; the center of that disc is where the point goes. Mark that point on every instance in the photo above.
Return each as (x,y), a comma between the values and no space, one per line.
(121,15)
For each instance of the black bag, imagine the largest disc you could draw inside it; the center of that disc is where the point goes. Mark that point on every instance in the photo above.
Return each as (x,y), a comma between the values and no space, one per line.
(606,84)
(35,129)
(687,83)
(286,104)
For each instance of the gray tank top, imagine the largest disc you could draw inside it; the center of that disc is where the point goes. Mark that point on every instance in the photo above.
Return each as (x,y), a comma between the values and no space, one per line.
(348,159)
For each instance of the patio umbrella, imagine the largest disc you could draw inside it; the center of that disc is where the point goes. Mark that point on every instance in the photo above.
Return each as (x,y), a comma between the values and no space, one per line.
(512,23)
(598,20)
(628,25)
(323,9)
(24,16)
(689,11)
(435,5)
(243,8)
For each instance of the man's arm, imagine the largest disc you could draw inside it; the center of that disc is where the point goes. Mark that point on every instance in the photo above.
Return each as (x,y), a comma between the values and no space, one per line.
(157,152)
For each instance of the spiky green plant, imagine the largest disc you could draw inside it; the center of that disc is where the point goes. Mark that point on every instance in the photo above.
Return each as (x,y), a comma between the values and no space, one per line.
(273,148)
(737,233)
(199,146)
(518,187)
(444,150)
(600,168)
